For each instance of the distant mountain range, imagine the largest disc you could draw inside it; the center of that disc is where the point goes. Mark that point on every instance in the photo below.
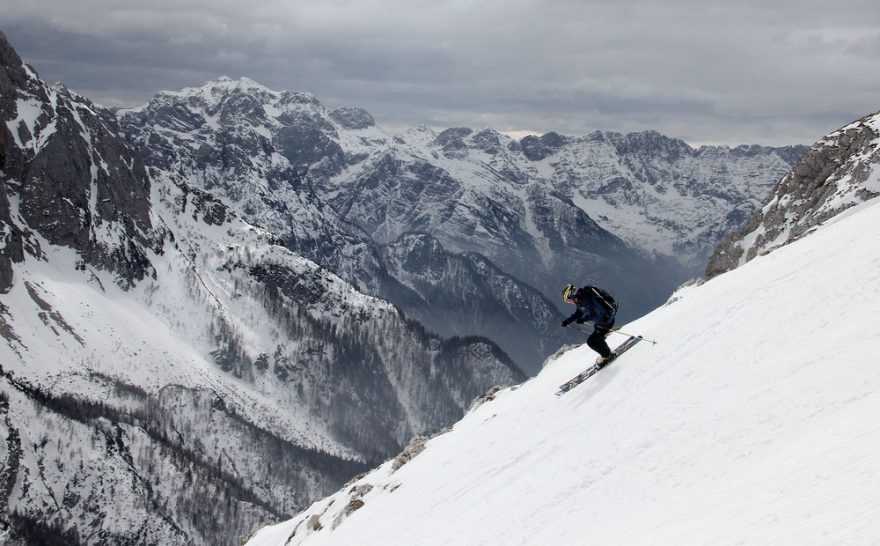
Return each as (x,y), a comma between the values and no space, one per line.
(469,232)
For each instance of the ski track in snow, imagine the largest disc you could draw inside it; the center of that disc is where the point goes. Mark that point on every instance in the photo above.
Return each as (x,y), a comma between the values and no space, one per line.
(753,421)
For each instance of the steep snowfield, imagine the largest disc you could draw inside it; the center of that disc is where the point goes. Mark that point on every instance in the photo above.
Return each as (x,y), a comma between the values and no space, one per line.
(755,419)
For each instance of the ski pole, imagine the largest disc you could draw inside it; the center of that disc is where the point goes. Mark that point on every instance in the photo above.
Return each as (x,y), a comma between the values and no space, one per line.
(621,332)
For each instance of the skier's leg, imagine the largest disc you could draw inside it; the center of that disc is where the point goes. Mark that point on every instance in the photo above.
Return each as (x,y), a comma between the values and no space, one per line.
(597,342)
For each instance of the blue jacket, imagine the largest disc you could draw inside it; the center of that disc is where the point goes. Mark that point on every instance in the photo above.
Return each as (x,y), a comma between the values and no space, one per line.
(591,308)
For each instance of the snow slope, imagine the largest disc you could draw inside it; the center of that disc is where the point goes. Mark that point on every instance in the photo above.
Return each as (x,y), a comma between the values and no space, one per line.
(753,420)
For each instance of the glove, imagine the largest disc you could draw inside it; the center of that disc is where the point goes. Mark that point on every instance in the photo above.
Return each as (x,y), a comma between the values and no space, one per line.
(566,322)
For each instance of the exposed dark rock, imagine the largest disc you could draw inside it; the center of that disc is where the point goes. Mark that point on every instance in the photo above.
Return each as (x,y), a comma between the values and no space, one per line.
(353,118)
(75,179)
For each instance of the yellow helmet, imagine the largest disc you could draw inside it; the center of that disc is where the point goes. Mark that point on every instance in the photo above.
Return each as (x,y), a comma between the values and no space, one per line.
(568,292)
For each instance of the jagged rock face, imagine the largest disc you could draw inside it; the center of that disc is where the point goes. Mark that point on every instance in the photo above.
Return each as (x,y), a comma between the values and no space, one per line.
(353,118)
(451,140)
(72,180)
(540,148)
(838,172)
(172,374)
(306,139)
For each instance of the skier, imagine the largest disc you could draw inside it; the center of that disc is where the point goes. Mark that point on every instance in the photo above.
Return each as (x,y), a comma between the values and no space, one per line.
(597,306)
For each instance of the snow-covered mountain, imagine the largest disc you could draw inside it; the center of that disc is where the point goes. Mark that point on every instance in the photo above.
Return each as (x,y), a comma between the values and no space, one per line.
(250,146)
(838,172)
(753,420)
(658,194)
(632,212)
(169,372)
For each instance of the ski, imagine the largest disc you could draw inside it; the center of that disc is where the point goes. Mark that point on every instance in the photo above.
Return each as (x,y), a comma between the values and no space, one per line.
(592,370)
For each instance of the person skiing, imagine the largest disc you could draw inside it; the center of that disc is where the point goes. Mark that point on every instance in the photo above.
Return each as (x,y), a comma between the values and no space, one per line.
(597,306)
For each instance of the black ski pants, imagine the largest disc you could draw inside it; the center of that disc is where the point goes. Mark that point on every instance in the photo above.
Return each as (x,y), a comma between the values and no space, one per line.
(597,342)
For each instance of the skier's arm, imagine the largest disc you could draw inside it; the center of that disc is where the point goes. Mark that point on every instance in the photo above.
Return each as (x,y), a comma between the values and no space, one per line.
(576,316)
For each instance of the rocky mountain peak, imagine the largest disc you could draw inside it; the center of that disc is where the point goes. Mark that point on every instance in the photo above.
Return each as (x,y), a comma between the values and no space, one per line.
(353,118)
(488,140)
(538,148)
(224,85)
(16,76)
(300,98)
(453,139)
(420,133)
(650,142)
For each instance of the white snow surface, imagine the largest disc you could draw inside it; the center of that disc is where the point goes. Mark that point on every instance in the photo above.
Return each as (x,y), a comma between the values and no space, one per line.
(755,419)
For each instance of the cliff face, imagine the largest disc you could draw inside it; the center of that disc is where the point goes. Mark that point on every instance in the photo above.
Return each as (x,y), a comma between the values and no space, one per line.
(67,178)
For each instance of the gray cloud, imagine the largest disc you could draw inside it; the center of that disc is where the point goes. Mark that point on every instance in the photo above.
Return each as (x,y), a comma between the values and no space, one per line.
(751,71)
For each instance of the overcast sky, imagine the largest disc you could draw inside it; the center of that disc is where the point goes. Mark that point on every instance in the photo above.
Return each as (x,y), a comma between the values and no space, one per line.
(722,72)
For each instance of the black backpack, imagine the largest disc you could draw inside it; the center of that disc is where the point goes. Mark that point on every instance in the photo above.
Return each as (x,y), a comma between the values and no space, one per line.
(603,296)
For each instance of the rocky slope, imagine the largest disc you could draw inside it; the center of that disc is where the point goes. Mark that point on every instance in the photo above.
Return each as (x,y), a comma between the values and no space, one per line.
(68,176)
(838,172)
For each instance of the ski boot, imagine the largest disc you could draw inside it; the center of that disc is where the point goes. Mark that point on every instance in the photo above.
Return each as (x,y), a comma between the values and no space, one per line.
(604,360)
